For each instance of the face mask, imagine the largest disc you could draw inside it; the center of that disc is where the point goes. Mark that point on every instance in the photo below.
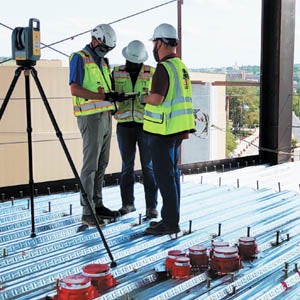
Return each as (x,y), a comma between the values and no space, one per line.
(155,53)
(100,52)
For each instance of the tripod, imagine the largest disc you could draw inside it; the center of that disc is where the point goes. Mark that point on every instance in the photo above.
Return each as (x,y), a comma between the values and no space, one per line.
(29,69)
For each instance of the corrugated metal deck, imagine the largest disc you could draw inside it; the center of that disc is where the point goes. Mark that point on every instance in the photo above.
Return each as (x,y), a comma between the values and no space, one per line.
(260,200)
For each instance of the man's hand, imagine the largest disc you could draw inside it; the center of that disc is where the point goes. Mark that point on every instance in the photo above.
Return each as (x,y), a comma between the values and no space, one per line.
(142,99)
(114,96)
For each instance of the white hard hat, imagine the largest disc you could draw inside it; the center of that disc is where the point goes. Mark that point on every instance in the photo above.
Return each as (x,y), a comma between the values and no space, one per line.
(135,52)
(166,31)
(105,34)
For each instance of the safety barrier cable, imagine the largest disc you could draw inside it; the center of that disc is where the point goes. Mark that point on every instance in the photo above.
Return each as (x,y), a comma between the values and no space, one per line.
(88,31)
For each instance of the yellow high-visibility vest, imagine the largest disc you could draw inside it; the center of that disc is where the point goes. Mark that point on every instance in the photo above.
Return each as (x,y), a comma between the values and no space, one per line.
(175,113)
(132,110)
(93,79)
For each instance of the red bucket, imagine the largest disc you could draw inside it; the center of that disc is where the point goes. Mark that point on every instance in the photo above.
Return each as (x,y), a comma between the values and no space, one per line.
(181,268)
(172,255)
(225,260)
(247,247)
(77,287)
(100,276)
(198,256)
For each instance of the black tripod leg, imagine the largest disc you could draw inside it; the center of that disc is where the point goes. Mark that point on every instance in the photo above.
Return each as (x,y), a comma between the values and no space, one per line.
(29,139)
(10,90)
(29,130)
(59,135)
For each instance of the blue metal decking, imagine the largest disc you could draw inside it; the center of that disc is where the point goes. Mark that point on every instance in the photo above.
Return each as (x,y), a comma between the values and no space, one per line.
(261,200)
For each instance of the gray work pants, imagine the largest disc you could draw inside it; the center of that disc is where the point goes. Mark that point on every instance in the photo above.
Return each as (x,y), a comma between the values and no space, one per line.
(96,132)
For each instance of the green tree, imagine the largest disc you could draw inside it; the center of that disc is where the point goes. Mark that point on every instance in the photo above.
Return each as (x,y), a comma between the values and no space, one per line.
(296,103)
(243,106)
(230,141)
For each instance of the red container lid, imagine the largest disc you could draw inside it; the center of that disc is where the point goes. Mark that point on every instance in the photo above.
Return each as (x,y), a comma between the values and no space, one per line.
(226,252)
(75,281)
(220,244)
(247,240)
(197,250)
(94,269)
(182,261)
(176,252)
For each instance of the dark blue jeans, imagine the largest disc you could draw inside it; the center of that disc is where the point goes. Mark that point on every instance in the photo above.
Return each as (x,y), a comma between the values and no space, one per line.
(128,139)
(165,155)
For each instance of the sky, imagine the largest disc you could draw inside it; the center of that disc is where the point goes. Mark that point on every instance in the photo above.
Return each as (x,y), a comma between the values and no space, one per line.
(215,33)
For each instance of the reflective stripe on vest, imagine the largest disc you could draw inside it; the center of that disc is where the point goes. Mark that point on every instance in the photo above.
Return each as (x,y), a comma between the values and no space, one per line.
(93,79)
(132,110)
(175,113)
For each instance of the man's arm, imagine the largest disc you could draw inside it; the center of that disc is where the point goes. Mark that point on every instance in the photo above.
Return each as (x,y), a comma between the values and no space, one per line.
(159,88)
(154,99)
(78,91)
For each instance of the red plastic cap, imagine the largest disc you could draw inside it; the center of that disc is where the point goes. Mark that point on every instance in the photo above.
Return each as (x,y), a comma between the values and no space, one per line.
(75,280)
(95,268)
(176,253)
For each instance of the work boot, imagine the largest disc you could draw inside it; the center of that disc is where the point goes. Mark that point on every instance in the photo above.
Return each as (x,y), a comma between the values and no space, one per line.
(161,228)
(105,213)
(126,209)
(154,223)
(88,220)
(151,213)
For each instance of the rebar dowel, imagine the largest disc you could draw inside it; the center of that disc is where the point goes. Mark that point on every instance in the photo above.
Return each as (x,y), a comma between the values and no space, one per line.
(190,226)
(248,231)
(219,229)
(208,282)
(277,237)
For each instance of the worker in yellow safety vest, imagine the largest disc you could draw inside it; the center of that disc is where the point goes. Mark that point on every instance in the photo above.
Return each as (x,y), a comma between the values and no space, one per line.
(134,78)
(168,120)
(93,103)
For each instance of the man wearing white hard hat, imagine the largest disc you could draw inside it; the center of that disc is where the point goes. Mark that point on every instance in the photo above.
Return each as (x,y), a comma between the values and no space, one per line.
(168,120)
(91,88)
(134,78)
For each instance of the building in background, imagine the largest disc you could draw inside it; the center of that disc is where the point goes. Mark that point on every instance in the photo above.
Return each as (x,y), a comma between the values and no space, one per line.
(49,160)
